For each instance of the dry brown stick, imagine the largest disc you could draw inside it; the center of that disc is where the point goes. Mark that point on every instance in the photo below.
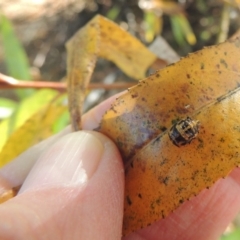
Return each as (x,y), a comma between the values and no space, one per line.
(7,82)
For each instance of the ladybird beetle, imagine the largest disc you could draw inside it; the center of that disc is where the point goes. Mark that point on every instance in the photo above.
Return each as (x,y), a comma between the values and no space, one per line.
(184,131)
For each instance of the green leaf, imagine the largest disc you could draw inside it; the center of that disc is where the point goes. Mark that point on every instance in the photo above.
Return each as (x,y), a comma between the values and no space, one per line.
(113,13)
(186,28)
(182,30)
(177,31)
(15,56)
(153,25)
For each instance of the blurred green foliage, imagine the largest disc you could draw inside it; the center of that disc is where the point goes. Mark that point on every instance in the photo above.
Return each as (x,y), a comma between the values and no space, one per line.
(30,101)
(14,54)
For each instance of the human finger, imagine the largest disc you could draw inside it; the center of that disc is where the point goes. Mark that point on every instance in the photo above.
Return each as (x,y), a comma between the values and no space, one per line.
(74,191)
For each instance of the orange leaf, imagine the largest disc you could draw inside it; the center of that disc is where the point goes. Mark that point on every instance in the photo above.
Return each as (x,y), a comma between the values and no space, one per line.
(162,176)
(159,175)
(173,93)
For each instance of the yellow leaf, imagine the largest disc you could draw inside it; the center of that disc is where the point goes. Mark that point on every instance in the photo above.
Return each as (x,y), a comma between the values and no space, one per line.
(35,129)
(102,38)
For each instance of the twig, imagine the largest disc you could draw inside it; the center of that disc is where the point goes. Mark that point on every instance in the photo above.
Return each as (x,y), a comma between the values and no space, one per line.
(7,82)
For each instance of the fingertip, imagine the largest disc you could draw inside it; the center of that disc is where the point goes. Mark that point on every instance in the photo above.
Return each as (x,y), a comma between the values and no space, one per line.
(76,210)
(104,195)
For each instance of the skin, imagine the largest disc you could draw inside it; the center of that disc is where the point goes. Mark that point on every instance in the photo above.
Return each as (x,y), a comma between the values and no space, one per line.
(52,204)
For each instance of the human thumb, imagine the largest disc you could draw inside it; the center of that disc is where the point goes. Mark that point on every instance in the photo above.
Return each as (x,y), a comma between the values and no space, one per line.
(74,191)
